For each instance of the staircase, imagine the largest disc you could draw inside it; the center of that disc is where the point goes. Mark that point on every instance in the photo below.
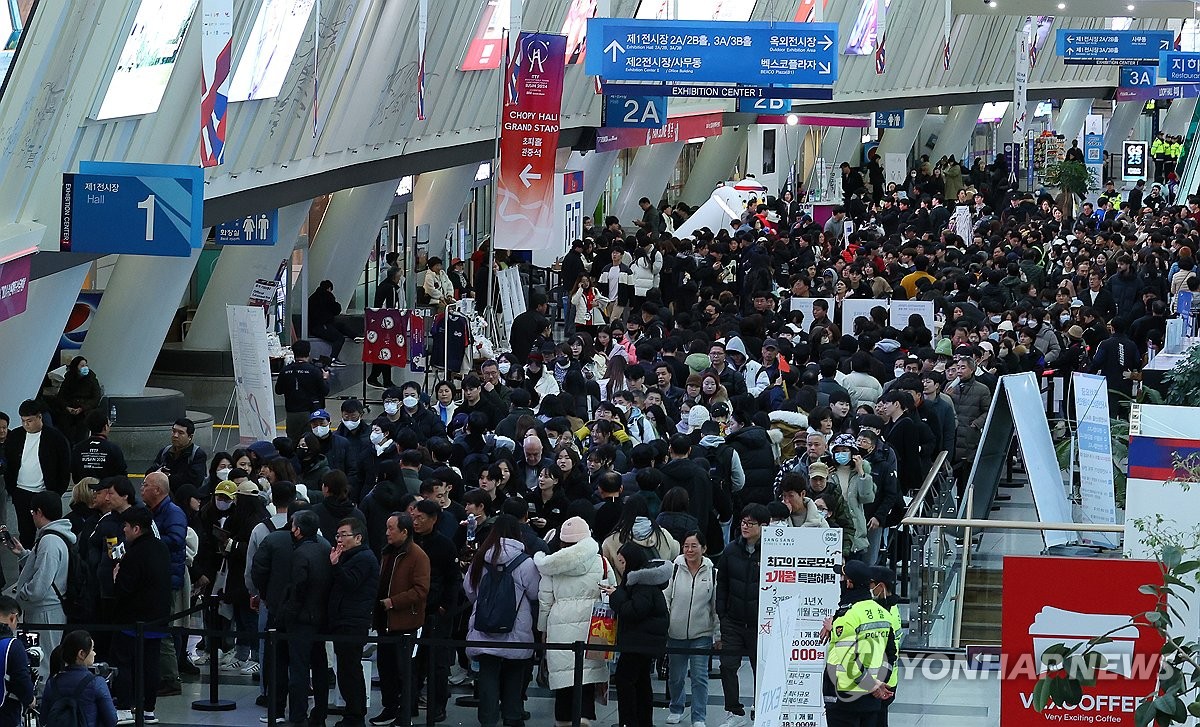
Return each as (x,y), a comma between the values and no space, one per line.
(981,610)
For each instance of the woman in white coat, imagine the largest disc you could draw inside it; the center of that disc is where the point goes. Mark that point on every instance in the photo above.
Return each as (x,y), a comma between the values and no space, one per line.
(569,588)
(646,270)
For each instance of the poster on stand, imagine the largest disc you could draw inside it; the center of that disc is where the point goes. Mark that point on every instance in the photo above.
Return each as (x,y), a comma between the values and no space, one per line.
(251,373)
(1096,487)
(799,583)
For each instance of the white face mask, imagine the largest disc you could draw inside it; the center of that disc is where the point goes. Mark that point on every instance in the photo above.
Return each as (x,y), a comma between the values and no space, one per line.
(410,402)
(377,437)
(504,367)
(391,407)
(321,431)
(352,424)
(223,474)
(224,505)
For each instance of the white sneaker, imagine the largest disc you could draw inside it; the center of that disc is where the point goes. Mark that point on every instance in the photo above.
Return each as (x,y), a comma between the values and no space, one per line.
(149,718)
(698,724)
(229,662)
(250,667)
(125,716)
(673,718)
(200,658)
(735,720)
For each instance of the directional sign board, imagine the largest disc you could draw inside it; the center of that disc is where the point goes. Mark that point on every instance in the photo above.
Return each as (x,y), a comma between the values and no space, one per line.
(1138,76)
(1166,92)
(132,209)
(889,120)
(255,229)
(752,53)
(1179,67)
(1112,47)
(691,90)
(634,112)
(764,105)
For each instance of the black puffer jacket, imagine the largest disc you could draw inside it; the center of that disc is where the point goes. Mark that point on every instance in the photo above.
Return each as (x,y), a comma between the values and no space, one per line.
(355,582)
(753,446)
(641,607)
(331,512)
(380,502)
(307,593)
(737,583)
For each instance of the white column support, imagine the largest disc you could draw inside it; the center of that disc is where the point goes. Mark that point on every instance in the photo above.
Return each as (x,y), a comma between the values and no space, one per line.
(30,338)
(1070,118)
(956,132)
(648,176)
(596,167)
(716,160)
(900,141)
(1176,121)
(1124,116)
(438,199)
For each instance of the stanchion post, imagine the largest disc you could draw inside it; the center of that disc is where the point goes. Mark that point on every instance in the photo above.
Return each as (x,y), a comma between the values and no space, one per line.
(139,674)
(577,650)
(270,673)
(431,657)
(406,681)
(214,703)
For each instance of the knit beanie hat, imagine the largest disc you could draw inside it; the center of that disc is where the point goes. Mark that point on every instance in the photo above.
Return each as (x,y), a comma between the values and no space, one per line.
(697,416)
(574,530)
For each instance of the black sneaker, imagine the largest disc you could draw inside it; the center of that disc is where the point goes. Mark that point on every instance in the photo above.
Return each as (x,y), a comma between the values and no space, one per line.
(375,384)
(187,667)
(337,364)
(386,717)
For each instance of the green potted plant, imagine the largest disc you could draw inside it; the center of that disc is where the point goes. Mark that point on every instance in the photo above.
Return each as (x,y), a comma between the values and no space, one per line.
(1073,180)
(1183,381)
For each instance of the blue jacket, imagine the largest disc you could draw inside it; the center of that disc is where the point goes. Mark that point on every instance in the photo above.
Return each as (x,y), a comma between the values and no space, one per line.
(172,529)
(96,701)
(19,683)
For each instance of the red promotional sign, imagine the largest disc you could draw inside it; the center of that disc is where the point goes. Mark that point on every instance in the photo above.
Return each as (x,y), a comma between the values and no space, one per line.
(385,332)
(528,144)
(677,128)
(1050,601)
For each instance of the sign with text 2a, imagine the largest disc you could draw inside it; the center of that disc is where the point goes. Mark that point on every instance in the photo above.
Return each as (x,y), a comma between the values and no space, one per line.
(1179,67)
(889,119)
(635,112)
(1112,47)
(528,144)
(132,209)
(1049,603)
(750,53)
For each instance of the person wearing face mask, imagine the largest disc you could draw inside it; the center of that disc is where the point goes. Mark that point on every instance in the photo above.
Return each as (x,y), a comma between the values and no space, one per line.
(313,465)
(357,434)
(416,415)
(334,446)
(883,584)
(851,475)
(1045,338)
(539,380)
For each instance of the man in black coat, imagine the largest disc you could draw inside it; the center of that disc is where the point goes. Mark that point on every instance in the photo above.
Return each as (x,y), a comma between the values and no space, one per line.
(142,589)
(97,456)
(303,386)
(183,461)
(527,327)
(50,470)
(352,598)
(304,617)
(445,583)
(683,471)
(323,310)
(271,572)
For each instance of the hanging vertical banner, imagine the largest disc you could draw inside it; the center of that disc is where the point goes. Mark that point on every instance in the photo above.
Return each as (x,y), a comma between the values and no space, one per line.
(251,373)
(1020,85)
(528,144)
(1096,490)
(881,36)
(216,50)
(947,20)
(316,71)
(422,39)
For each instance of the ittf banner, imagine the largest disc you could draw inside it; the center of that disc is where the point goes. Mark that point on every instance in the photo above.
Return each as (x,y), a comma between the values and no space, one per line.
(1049,601)
(528,143)
(384,332)
(217,54)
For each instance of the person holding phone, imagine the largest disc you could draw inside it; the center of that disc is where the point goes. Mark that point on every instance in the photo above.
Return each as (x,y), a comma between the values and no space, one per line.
(851,476)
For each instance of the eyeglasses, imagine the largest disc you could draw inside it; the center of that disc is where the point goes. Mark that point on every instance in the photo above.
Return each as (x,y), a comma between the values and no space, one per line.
(339,536)
(747,522)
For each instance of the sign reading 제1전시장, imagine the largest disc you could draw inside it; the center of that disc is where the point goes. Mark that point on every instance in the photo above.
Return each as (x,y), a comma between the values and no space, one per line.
(1052,601)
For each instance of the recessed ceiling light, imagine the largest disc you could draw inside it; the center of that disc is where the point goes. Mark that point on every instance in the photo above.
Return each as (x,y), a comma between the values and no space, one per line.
(1129,7)
(1062,6)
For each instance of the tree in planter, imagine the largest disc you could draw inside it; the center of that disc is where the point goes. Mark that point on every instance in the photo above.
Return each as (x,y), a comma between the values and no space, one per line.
(1183,381)
(1073,180)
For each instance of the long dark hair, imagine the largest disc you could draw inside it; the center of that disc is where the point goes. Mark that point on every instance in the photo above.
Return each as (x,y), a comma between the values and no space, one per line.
(504,526)
(632,509)
(68,650)
(636,557)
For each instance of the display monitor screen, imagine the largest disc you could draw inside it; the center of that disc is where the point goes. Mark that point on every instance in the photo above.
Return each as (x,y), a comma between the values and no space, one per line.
(486,49)
(862,36)
(734,10)
(269,50)
(147,58)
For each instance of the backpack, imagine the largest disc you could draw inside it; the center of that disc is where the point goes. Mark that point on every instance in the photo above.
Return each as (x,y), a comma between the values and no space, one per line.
(496,607)
(68,708)
(74,600)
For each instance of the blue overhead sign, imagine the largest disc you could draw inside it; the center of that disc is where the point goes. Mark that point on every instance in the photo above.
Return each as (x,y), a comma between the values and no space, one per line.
(675,90)
(764,105)
(1165,92)
(1179,67)
(1112,47)
(889,120)
(753,53)
(622,111)
(132,209)
(255,229)
(1138,76)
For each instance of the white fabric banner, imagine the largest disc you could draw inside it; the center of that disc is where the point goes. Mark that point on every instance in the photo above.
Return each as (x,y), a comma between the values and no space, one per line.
(895,167)
(251,373)
(216,55)
(1020,85)
(799,582)
(1096,489)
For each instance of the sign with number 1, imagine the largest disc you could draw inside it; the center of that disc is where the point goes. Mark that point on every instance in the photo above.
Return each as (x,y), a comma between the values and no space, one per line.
(132,209)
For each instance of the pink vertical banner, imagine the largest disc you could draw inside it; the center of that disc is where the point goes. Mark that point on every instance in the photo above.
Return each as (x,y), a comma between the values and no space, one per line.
(14,287)
(216,69)
(529,142)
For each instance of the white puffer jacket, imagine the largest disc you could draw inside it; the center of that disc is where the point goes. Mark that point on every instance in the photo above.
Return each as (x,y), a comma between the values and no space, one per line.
(646,273)
(566,595)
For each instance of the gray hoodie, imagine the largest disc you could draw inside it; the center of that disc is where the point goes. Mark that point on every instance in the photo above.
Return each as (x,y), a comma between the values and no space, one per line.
(737,475)
(44,567)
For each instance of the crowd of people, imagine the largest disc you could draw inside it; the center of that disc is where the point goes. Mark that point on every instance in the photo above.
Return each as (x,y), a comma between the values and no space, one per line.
(691,400)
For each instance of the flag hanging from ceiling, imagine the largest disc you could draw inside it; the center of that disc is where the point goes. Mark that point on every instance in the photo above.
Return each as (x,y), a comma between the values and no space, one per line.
(880,36)
(422,39)
(216,49)
(947,22)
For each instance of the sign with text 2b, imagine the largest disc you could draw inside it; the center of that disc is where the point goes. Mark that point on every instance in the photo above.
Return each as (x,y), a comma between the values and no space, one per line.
(132,209)
(529,142)
(1112,47)
(1179,67)
(750,53)
(1138,76)
(889,120)
(764,105)
(635,112)
(1049,603)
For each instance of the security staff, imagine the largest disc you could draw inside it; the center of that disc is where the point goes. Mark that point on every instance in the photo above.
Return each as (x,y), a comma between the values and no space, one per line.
(883,585)
(1158,152)
(862,646)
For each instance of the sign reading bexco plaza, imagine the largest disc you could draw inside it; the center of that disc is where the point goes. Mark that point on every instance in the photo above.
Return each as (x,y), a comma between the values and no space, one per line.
(529,142)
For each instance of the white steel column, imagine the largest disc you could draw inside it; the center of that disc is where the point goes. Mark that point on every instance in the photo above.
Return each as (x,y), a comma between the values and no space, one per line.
(1124,116)
(648,176)
(715,162)
(1070,118)
(596,167)
(900,141)
(27,340)
(956,132)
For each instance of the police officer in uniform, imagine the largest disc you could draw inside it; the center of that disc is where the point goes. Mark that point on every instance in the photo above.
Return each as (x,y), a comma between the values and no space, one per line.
(862,646)
(883,587)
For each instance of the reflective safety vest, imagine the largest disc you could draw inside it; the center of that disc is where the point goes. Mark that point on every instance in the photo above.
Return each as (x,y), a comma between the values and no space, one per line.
(861,637)
(1158,148)
(894,618)
(1175,150)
